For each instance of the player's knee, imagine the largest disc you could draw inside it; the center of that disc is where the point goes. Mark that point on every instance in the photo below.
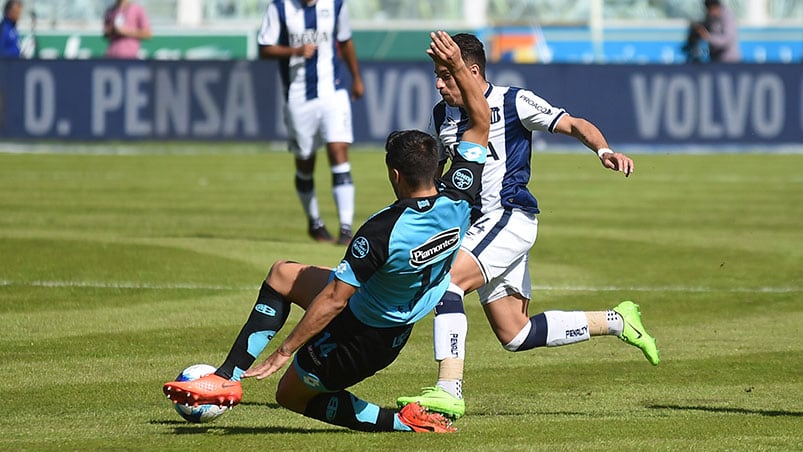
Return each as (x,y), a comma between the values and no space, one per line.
(279,273)
(533,334)
(509,347)
(274,269)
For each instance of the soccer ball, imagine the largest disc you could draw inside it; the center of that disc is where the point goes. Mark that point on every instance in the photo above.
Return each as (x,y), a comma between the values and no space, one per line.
(200,413)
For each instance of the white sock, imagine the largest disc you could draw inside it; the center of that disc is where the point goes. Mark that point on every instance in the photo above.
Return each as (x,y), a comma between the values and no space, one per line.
(453,387)
(566,327)
(449,330)
(615,323)
(343,194)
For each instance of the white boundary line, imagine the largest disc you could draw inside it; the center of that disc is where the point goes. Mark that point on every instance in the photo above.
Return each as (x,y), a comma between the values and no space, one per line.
(192,286)
(120,285)
(672,289)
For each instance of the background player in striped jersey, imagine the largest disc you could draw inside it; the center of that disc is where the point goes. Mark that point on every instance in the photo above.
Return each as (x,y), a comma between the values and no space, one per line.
(493,258)
(359,316)
(309,38)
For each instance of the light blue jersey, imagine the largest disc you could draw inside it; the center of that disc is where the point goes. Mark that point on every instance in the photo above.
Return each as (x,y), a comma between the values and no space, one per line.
(400,258)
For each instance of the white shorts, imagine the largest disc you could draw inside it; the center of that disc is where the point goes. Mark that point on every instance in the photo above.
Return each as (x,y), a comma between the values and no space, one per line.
(311,123)
(500,243)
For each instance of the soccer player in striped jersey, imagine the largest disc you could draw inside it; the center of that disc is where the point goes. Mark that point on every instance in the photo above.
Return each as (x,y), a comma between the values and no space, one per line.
(359,315)
(493,258)
(309,38)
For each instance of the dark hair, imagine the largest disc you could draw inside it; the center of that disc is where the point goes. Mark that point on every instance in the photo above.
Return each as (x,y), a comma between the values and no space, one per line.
(709,3)
(472,50)
(414,154)
(10,4)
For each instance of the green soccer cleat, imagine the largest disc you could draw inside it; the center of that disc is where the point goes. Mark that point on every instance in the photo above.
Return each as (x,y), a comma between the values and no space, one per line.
(634,332)
(436,399)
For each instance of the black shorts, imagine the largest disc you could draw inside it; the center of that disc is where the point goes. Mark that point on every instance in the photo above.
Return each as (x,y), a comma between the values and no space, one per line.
(347,352)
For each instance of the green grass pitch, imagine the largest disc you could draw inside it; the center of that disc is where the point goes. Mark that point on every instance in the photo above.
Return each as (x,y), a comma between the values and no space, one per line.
(117,271)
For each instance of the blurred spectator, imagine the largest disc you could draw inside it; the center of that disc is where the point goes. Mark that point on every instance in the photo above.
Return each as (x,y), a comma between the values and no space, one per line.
(125,24)
(719,30)
(9,38)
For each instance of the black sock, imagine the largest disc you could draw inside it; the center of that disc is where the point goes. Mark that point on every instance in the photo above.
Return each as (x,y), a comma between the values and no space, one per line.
(338,408)
(266,319)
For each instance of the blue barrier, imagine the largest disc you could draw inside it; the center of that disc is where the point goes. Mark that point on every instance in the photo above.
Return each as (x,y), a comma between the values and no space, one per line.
(241,100)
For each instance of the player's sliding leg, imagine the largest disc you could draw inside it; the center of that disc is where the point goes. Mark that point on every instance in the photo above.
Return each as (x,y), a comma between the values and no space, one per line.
(266,319)
(286,282)
(223,387)
(347,410)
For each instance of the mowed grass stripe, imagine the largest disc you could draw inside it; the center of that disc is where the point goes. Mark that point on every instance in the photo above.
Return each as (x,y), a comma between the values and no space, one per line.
(200,287)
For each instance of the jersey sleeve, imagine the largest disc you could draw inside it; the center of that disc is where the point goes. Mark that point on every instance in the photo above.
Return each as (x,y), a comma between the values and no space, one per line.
(343,24)
(271,28)
(536,113)
(368,250)
(463,180)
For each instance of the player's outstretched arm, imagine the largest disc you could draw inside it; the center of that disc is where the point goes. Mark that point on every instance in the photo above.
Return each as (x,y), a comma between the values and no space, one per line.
(443,50)
(588,134)
(326,306)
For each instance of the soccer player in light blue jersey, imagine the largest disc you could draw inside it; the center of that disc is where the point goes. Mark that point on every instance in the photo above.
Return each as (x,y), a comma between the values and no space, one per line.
(360,314)
(493,258)
(311,40)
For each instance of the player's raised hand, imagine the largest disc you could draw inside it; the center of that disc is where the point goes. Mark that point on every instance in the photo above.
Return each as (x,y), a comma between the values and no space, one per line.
(618,162)
(443,50)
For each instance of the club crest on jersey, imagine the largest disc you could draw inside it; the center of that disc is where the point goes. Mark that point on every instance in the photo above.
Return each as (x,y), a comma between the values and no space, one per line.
(435,247)
(463,179)
(360,247)
(495,115)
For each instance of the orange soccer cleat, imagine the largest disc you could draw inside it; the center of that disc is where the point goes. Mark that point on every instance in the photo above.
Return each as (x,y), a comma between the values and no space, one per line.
(208,390)
(419,419)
